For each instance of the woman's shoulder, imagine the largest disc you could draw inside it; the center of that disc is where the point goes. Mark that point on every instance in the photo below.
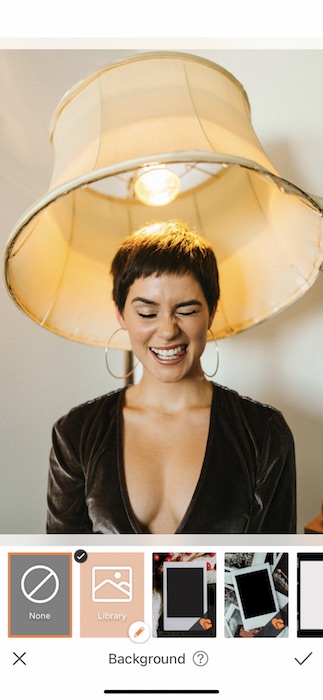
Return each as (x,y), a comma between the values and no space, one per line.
(247,409)
(252,422)
(101,407)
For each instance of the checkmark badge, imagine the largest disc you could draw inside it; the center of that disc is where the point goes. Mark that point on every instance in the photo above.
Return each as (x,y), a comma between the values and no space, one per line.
(80,556)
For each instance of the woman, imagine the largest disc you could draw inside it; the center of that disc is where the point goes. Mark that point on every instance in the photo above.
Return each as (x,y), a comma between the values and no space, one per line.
(174,453)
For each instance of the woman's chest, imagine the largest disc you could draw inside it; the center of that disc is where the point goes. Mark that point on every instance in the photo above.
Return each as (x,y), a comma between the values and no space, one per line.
(162,464)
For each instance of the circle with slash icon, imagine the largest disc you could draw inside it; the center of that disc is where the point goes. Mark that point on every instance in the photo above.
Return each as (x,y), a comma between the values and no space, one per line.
(40,584)
(139,632)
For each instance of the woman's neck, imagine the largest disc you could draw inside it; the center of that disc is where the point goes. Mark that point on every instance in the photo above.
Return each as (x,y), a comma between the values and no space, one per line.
(170,397)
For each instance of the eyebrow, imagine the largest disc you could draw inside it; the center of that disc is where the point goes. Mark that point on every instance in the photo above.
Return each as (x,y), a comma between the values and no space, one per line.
(191,302)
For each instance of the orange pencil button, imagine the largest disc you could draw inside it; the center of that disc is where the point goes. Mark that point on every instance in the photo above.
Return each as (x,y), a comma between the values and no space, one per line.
(139,631)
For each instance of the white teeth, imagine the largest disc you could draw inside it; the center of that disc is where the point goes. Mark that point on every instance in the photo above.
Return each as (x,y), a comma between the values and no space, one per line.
(172,352)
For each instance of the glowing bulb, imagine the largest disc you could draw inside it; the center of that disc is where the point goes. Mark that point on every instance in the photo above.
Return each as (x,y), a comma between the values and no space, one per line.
(157,186)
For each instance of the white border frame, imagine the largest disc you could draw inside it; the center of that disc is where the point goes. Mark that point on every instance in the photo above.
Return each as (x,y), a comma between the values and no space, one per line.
(182,624)
(261,619)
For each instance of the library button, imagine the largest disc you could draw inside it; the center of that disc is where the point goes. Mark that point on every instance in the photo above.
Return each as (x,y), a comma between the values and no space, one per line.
(19,658)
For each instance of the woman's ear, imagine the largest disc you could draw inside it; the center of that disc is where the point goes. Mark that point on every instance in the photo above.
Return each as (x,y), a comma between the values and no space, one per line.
(120,318)
(212,316)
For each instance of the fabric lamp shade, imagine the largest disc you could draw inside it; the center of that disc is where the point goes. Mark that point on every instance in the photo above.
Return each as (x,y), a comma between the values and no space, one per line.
(188,115)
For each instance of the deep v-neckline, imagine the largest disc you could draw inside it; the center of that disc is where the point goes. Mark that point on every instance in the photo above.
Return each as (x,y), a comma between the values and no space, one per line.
(133,520)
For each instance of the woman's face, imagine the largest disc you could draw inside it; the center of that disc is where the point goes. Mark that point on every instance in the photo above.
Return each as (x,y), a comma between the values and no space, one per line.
(167,318)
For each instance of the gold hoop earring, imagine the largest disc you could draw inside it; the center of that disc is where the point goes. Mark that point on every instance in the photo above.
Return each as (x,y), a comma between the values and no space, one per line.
(217,357)
(106,351)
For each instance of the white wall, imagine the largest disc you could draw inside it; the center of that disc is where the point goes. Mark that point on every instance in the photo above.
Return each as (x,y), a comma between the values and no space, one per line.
(279,362)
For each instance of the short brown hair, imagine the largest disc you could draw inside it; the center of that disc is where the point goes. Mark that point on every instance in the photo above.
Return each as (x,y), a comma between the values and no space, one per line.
(165,248)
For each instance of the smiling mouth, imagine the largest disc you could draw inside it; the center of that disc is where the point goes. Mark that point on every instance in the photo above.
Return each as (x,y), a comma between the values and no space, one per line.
(169,353)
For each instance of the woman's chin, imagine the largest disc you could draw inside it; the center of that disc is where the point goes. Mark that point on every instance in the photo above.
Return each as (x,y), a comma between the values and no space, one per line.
(172,371)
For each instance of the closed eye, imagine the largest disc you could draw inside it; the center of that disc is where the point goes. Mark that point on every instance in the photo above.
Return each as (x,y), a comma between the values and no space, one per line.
(187,313)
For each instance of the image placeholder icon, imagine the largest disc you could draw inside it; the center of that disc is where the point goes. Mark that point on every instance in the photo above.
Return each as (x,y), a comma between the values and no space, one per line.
(112,584)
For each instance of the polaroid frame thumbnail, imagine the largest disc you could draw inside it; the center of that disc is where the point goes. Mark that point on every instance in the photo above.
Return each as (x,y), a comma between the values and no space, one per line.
(256,609)
(309,595)
(184,593)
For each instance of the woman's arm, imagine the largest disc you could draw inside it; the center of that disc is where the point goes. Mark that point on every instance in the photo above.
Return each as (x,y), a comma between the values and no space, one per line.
(274,507)
(67,512)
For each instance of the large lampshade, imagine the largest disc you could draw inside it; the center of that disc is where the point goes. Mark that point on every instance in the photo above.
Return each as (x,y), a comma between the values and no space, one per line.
(173,112)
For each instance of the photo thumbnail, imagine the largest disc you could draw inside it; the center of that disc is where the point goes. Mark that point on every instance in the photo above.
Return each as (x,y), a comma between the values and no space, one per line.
(184,594)
(256,594)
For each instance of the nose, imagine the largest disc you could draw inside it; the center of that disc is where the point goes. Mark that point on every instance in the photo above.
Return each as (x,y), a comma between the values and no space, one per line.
(167,327)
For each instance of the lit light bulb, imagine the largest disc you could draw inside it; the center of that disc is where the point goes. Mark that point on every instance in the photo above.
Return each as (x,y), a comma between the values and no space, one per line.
(157,186)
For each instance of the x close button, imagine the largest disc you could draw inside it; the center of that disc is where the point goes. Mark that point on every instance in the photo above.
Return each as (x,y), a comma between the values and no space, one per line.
(19,658)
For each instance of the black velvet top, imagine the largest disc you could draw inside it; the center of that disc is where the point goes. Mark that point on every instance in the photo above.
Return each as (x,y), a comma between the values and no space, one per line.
(246,484)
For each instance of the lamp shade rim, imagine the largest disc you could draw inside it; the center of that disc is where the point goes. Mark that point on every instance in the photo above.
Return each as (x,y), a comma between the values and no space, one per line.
(13,245)
(184,157)
(98,342)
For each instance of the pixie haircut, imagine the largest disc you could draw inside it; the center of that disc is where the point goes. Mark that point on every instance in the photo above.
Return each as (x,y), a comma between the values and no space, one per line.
(165,248)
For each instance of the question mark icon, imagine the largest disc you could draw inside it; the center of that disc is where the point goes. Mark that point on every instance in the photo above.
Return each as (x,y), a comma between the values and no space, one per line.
(200,658)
